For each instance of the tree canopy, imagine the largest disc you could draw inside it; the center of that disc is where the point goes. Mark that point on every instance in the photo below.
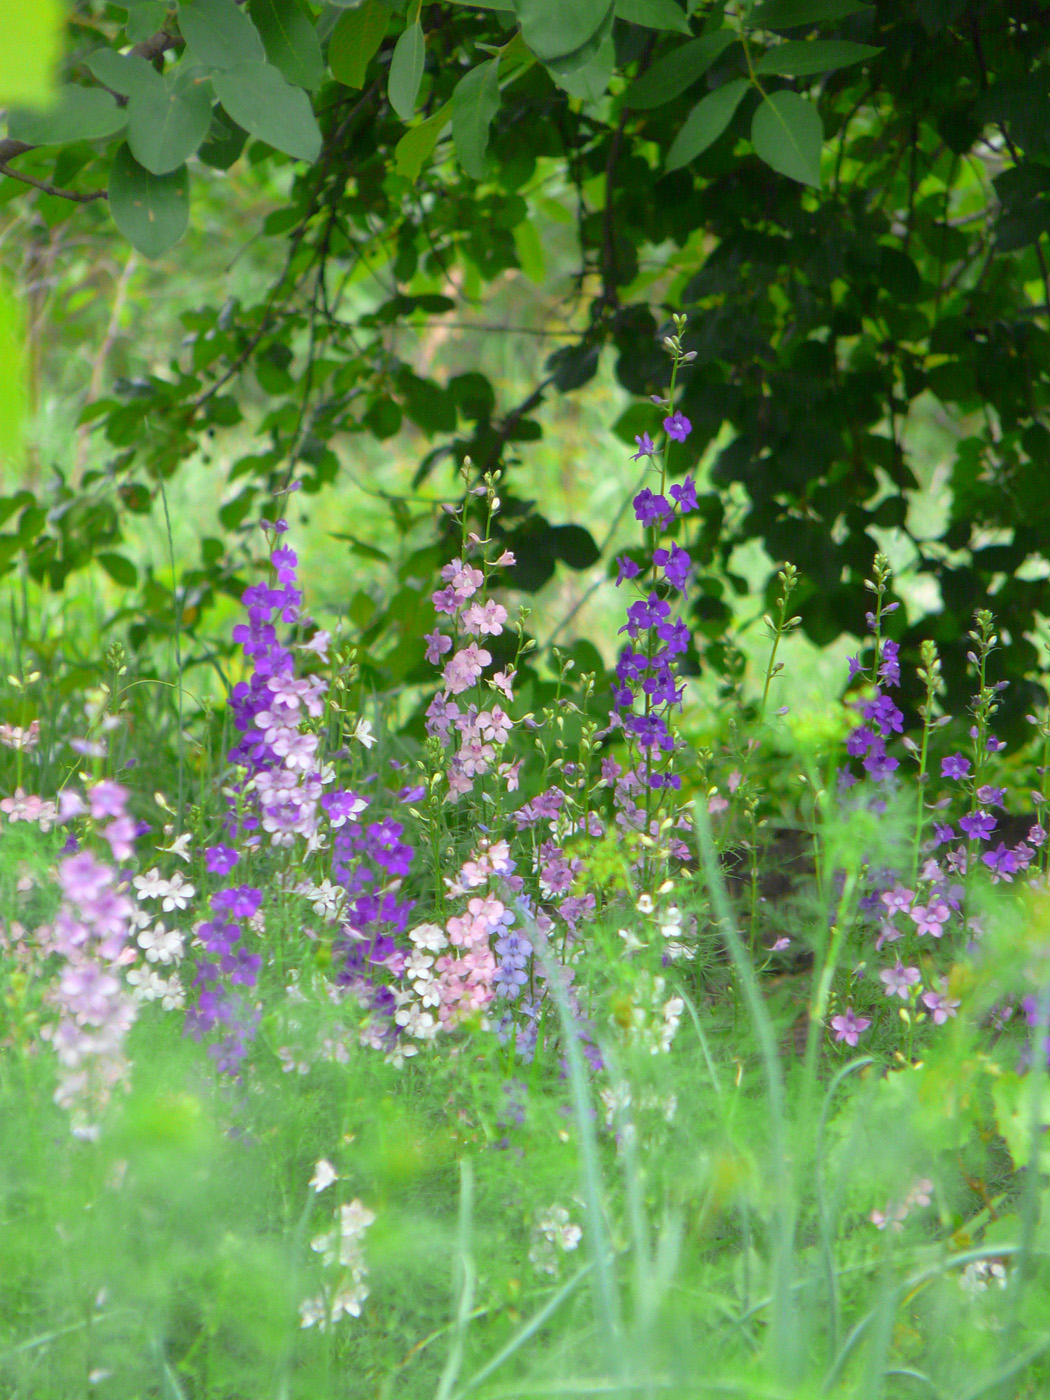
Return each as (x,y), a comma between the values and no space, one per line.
(849,202)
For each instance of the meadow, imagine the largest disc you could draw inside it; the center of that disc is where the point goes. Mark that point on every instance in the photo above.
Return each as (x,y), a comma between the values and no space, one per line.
(506,1036)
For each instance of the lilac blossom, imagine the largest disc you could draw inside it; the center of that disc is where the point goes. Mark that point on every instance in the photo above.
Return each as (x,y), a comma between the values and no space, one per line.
(849,1026)
(899,980)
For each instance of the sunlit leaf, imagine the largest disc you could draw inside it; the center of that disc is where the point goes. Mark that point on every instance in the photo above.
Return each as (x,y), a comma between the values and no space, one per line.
(706,122)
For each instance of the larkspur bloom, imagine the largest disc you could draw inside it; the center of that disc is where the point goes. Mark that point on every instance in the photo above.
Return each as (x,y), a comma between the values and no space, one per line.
(677,426)
(849,1026)
(899,980)
(955,766)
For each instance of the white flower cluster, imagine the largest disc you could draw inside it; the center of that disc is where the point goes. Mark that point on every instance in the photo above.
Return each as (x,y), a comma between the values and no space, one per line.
(161,946)
(553,1234)
(341,1251)
(646,1019)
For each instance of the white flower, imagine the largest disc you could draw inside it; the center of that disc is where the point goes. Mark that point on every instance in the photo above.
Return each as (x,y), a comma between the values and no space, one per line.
(178,847)
(178,894)
(151,885)
(430,937)
(161,944)
(324,1175)
(363,733)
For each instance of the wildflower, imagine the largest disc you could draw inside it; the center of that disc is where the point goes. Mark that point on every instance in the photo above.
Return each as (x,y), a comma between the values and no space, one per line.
(978,825)
(677,427)
(438,643)
(626,568)
(685,495)
(955,766)
(650,509)
(324,1175)
(849,1026)
(646,447)
(899,980)
(940,1007)
(675,563)
(218,860)
(465,668)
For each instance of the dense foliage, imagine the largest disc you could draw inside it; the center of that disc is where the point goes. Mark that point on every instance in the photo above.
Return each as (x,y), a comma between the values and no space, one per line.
(847,198)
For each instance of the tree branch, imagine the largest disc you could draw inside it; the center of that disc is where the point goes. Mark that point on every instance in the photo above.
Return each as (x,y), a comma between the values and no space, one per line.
(50,189)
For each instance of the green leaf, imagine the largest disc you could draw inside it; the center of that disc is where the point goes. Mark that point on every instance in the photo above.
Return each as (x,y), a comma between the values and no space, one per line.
(80,114)
(529,247)
(124,73)
(361,547)
(167,126)
(555,30)
(257,97)
(475,101)
(406,71)
(224,142)
(120,570)
(31,43)
(417,145)
(706,122)
(290,40)
(787,134)
(145,18)
(590,82)
(220,33)
(798,57)
(791,14)
(653,14)
(675,71)
(355,41)
(151,211)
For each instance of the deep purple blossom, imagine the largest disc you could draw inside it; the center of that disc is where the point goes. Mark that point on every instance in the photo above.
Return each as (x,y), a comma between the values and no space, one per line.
(646,447)
(685,495)
(220,860)
(626,568)
(677,427)
(675,563)
(650,509)
(955,766)
(978,825)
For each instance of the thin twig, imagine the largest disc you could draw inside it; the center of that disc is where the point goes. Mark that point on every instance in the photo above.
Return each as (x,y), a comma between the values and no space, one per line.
(52,189)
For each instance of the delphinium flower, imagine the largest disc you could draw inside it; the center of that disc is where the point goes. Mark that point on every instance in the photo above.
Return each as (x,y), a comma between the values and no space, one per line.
(647,691)
(89,933)
(345,1290)
(477,727)
(848,1026)
(277,795)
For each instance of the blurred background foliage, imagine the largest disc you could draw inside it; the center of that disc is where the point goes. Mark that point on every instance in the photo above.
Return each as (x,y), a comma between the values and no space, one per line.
(435,265)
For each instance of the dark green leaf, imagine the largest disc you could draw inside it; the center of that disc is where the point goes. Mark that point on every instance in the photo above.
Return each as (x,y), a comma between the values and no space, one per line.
(406,71)
(574,546)
(224,143)
(151,211)
(290,39)
(79,114)
(675,71)
(573,366)
(591,81)
(798,57)
(792,14)
(359,547)
(706,122)
(417,145)
(787,135)
(355,41)
(120,570)
(257,97)
(220,33)
(555,30)
(653,14)
(167,125)
(124,73)
(475,101)
(145,18)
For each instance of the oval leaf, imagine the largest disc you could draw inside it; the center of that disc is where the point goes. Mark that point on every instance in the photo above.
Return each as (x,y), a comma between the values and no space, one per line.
(791,14)
(151,211)
(79,114)
(290,40)
(797,58)
(675,71)
(475,101)
(706,122)
(653,14)
(417,145)
(167,126)
(787,134)
(355,42)
(120,570)
(124,73)
(406,71)
(256,97)
(554,30)
(220,34)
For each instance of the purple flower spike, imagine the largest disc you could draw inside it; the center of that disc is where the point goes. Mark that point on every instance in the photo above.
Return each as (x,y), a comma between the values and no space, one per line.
(650,509)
